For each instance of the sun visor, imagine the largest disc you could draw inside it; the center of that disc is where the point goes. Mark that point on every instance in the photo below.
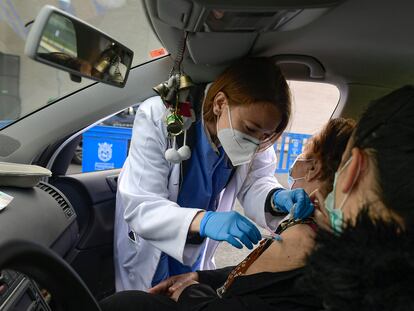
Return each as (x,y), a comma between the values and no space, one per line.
(220,31)
(219,48)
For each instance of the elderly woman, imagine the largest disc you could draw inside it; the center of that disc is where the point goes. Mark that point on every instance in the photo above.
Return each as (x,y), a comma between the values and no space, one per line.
(367,263)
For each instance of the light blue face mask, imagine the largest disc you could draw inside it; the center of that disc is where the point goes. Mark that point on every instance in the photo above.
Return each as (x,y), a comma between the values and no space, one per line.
(336,215)
(291,180)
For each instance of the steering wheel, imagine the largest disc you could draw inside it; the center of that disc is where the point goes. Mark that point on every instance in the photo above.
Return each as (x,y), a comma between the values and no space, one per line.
(69,292)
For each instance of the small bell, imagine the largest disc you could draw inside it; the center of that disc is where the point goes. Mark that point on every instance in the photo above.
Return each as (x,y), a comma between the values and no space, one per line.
(185,82)
(161,89)
(175,124)
(103,64)
(171,96)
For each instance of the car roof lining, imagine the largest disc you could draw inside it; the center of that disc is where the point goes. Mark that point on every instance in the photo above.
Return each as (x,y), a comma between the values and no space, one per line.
(354,41)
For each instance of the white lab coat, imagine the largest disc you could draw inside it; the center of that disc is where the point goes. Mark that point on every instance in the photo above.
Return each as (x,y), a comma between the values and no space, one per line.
(146,203)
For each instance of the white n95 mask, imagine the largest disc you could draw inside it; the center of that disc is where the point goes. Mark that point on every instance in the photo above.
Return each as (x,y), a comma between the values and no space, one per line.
(239,147)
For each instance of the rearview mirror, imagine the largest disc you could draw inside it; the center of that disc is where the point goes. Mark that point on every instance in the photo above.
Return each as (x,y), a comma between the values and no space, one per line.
(65,42)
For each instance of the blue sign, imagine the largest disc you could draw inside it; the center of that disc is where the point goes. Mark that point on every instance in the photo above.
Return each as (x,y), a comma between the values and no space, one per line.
(294,143)
(105,147)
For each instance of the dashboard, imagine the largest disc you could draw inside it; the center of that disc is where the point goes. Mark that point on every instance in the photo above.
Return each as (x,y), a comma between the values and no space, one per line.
(42,215)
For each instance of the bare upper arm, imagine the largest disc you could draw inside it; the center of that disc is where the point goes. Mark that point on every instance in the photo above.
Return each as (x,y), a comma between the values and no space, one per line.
(289,254)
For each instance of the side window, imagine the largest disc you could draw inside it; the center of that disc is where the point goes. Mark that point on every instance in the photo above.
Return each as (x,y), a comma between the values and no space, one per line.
(104,146)
(313,105)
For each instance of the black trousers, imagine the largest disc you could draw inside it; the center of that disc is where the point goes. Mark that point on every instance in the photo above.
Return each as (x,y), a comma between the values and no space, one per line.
(134,300)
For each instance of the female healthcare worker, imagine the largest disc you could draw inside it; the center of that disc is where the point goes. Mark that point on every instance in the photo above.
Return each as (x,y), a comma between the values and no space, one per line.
(163,228)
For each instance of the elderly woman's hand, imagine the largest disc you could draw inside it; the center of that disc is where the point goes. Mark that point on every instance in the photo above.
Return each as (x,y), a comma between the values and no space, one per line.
(170,285)
(179,288)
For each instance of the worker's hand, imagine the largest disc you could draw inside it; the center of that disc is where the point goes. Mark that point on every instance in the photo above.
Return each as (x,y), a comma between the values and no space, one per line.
(229,226)
(285,200)
(170,285)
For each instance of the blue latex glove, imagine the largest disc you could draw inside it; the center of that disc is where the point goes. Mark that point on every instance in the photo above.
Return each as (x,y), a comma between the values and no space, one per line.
(285,199)
(227,226)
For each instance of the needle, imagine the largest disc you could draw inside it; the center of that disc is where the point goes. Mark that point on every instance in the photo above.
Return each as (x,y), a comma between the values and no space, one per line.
(275,237)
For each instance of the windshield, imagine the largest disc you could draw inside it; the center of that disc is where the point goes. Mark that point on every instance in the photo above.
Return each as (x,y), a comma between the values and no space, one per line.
(26,85)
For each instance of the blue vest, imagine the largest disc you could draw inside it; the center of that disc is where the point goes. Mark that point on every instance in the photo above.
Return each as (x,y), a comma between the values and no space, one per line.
(207,175)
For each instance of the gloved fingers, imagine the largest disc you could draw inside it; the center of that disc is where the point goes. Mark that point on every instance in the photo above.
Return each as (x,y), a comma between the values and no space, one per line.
(304,206)
(288,204)
(230,239)
(283,200)
(306,211)
(250,229)
(244,239)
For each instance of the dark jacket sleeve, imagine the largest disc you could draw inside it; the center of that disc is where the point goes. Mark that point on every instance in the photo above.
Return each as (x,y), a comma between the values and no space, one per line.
(268,204)
(202,297)
(277,291)
(214,278)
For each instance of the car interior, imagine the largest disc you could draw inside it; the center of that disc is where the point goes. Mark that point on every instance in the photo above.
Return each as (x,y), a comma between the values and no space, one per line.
(56,237)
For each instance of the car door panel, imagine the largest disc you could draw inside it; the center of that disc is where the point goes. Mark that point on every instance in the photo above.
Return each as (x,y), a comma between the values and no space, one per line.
(93,195)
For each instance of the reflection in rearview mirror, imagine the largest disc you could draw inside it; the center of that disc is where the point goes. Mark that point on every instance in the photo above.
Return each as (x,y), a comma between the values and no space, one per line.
(70,44)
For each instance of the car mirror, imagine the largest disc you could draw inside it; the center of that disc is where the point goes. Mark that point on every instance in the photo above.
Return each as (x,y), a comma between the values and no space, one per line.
(63,41)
